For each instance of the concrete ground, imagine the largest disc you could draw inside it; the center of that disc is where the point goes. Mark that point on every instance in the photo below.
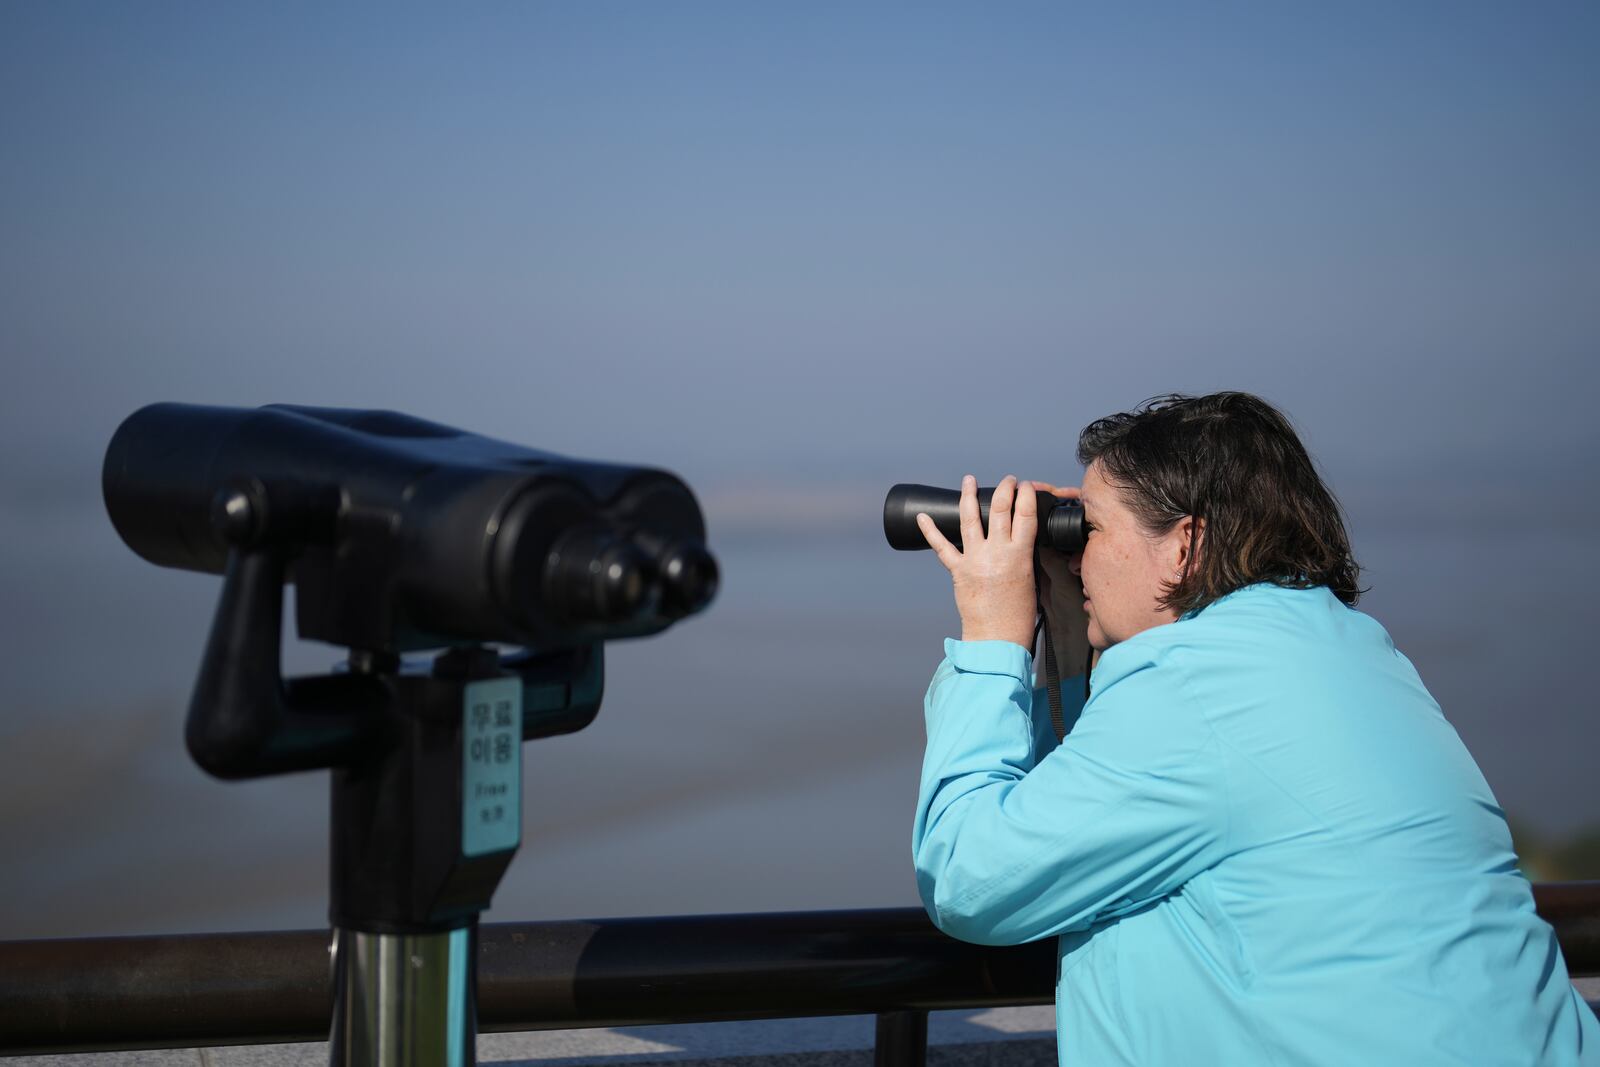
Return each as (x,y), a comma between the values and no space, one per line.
(1015,1037)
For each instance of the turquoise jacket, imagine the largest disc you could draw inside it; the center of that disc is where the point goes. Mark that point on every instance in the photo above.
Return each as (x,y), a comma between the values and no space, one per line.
(1260,843)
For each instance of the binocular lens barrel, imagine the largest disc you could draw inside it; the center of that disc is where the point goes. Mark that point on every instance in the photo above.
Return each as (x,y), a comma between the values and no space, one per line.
(1060,521)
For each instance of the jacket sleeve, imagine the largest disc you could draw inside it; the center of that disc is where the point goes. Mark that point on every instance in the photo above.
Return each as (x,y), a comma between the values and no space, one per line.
(1010,847)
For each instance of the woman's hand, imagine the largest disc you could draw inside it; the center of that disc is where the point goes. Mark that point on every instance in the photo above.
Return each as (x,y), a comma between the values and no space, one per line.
(1061,592)
(993,575)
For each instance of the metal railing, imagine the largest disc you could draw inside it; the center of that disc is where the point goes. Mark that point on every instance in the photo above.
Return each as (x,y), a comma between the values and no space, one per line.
(98,994)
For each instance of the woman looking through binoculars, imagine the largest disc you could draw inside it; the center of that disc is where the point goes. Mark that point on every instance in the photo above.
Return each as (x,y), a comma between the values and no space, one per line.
(1259,840)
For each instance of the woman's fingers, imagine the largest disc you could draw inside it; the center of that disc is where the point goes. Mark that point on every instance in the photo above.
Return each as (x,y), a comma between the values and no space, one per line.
(1025,523)
(1000,510)
(971,523)
(948,554)
(1065,492)
(1013,516)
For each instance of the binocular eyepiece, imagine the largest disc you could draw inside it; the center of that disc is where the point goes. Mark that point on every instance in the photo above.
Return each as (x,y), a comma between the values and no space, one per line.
(402,534)
(1060,521)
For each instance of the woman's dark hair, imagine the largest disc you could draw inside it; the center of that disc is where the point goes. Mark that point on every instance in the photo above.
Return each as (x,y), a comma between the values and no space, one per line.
(1233,460)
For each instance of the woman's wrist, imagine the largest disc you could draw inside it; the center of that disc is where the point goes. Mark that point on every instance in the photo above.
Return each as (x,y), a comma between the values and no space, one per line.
(980,633)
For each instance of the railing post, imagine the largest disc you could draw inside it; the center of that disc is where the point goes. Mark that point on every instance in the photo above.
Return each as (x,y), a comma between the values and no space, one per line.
(902,1039)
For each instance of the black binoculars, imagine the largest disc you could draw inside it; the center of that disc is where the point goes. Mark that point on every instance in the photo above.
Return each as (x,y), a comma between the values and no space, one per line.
(1060,521)
(402,535)
(406,535)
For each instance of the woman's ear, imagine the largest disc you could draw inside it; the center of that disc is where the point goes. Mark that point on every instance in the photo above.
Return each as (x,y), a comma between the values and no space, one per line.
(1187,536)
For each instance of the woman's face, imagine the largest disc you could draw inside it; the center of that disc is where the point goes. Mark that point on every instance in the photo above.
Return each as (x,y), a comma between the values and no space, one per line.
(1123,568)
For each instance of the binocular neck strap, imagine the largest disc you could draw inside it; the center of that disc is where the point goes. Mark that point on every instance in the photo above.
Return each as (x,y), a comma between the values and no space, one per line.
(1052,678)
(1052,684)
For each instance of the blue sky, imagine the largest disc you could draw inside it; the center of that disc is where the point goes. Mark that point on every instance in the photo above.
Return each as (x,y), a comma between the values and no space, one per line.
(654,225)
